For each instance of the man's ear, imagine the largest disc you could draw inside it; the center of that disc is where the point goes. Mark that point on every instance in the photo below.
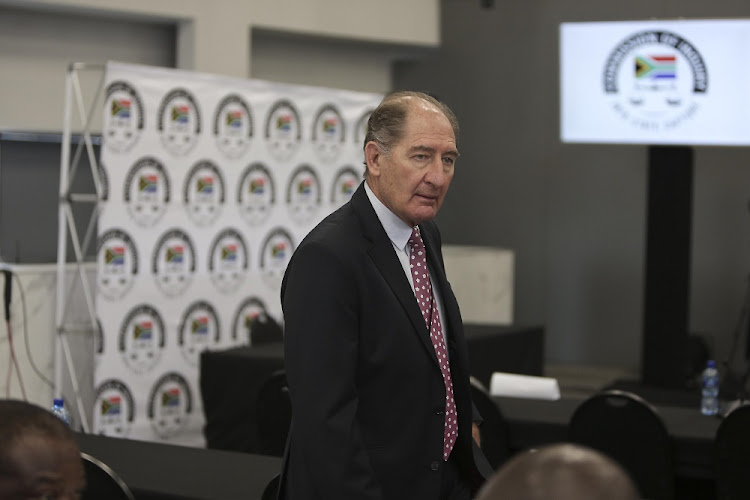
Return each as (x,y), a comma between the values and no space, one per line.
(372,157)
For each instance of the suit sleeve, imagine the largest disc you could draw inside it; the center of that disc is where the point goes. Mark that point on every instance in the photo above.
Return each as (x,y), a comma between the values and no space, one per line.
(320,303)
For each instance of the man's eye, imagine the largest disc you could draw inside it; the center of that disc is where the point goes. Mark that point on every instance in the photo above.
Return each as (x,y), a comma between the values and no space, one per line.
(449,160)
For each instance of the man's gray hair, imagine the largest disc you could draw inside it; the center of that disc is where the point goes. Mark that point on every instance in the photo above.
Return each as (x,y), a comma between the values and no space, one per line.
(386,123)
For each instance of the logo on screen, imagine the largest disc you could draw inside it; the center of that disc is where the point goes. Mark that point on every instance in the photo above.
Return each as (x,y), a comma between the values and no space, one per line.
(653,78)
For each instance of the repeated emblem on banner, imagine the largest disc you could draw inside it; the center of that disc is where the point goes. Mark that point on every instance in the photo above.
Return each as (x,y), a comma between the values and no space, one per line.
(328,133)
(303,194)
(179,122)
(170,405)
(248,311)
(255,194)
(114,409)
(206,186)
(203,193)
(233,126)
(124,119)
(146,191)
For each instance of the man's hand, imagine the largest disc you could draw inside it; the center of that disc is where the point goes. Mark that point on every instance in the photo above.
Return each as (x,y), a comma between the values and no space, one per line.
(475,434)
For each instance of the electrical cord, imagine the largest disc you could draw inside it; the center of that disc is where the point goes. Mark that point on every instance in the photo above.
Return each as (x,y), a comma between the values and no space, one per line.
(13,362)
(26,335)
(11,348)
(9,275)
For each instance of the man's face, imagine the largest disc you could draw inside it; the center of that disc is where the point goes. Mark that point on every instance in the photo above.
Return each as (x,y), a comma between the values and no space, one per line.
(44,468)
(412,179)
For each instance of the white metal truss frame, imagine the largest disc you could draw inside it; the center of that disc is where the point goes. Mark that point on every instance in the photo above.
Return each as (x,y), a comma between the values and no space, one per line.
(75,105)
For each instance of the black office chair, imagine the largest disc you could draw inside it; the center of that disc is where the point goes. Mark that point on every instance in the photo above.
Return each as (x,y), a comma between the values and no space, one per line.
(494,429)
(274,414)
(272,489)
(102,481)
(732,442)
(628,429)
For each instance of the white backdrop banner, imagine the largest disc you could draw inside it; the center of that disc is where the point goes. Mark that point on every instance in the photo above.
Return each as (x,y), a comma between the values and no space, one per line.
(208,183)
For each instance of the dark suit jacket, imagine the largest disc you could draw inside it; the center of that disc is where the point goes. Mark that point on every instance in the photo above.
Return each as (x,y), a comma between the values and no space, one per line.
(366,389)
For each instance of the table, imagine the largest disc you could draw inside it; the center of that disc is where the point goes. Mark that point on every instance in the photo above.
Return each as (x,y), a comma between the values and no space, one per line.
(230,379)
(159,471)
(535,422)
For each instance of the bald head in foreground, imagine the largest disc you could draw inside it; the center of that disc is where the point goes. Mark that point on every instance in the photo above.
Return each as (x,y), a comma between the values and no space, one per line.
(39,457)
(560,472)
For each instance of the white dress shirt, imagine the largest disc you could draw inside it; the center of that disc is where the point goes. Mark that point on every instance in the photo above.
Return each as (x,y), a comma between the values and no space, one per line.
(399,233)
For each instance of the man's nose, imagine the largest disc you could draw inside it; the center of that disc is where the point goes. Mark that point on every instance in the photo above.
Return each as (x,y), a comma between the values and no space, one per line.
(436,174)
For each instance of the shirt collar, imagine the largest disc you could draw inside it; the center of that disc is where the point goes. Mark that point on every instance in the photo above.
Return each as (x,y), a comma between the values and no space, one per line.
(397,230)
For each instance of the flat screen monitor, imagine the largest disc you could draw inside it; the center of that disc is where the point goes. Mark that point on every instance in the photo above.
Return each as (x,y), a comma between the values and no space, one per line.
(683,82)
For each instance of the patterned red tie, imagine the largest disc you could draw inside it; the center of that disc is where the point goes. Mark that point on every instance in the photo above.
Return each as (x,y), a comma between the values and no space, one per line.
(426,300)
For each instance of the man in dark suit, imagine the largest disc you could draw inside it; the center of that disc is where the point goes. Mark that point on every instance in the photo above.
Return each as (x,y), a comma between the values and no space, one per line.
(375,415)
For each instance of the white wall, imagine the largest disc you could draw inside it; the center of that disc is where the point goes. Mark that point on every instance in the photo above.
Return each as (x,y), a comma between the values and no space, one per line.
(39,38)
(305,60)
(37,47)
(32,320)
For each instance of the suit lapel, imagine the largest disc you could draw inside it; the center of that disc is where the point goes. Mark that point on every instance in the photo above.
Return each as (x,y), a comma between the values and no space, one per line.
(384,257)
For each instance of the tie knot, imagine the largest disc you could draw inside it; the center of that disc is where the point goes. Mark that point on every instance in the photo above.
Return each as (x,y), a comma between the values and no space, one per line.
(415,240)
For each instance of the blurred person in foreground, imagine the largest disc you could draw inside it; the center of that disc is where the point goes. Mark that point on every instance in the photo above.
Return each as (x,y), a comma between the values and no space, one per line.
(560,472)
(39,457)
(375,415)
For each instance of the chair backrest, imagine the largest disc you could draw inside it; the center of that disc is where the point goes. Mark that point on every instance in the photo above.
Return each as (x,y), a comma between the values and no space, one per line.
(265,330)
(731,445)
(494,429)
(628,429)
(102,481)
(274,414)
(271,491)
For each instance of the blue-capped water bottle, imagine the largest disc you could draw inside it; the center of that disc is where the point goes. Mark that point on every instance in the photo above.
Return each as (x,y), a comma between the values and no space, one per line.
(710,389)
(58,409)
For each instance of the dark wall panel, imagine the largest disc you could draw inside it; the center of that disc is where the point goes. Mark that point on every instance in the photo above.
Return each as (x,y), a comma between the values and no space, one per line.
(29,193)
(575,214)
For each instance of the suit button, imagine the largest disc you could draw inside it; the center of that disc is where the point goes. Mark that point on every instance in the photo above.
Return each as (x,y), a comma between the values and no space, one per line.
(435,465)
(440,412)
